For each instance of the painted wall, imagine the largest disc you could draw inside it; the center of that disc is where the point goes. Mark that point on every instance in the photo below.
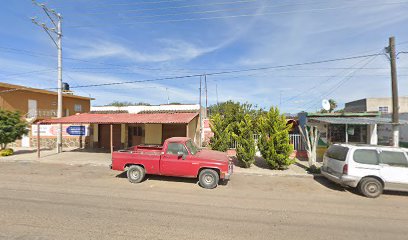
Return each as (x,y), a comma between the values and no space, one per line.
(193,130)
(18,100)
(153,133)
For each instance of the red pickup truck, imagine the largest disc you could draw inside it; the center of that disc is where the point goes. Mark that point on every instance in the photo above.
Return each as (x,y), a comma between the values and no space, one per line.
(179,156)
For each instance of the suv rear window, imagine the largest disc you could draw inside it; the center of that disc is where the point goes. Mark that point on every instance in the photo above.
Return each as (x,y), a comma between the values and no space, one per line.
(337,152)
(366,156)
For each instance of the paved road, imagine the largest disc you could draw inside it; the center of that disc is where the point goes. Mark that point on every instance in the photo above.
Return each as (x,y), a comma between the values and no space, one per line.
(46,201)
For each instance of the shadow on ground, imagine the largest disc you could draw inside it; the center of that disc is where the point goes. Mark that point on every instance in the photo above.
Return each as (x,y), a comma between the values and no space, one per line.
(261,163)
(170,179)
(325,182)
(395,193)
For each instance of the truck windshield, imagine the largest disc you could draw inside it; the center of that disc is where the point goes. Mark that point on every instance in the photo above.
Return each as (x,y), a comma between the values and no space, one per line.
(192,147)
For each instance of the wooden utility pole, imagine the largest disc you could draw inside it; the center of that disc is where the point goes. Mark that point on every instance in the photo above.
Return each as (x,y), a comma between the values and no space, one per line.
(206,96)
(394,87)
(201,117)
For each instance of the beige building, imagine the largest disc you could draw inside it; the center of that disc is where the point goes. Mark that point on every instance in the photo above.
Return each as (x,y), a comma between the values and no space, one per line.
(38,104)
(382,105)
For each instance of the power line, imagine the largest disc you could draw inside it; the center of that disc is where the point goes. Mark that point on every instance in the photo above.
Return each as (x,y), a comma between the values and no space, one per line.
(178,7)
(342,82)
(234,16)
(216,11)
(142,3)
(229,72)
(307,91)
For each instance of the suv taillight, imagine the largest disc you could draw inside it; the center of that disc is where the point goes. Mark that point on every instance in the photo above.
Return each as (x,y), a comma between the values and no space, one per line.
(345,169)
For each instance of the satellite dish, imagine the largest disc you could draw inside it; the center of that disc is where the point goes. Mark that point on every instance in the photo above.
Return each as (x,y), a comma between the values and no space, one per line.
(326,104)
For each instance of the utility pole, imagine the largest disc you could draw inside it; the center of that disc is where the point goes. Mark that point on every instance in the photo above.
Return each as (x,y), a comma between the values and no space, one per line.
(394,87)
(206,96)
(53,32)
(201,117)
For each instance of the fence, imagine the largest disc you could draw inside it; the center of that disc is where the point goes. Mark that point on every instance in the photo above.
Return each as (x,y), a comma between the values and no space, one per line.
(295,139)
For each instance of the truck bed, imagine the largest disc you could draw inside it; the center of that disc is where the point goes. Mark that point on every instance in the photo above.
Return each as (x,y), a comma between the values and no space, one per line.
(146,155)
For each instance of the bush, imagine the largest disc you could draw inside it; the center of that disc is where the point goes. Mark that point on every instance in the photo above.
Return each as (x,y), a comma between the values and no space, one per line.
(12,127)
(313,170)
(221,139)
(245,141)
(274,143)
(6,152)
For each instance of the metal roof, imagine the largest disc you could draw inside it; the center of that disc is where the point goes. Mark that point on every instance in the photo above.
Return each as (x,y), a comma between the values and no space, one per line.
(118,118)
(354,120)
(157,108)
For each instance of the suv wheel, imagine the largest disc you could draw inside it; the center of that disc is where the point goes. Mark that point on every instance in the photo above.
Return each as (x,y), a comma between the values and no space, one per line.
(136,173)
(208,178)
(370,187)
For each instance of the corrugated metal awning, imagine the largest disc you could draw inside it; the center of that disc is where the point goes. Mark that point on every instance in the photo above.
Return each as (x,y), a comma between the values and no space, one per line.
(118,118)
(354,120)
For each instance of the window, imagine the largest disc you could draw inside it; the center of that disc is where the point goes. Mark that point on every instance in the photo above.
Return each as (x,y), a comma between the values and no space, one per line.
(383,109)
(137,131)
(176,148)
(192,147)
(337,152)
(366,156)
(78,108)
(396,159)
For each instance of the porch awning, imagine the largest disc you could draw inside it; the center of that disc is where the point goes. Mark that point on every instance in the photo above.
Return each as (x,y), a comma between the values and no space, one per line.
(111,118)
(354,120)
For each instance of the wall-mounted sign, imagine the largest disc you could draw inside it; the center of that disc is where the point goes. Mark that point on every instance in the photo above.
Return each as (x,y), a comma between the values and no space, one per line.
(67,130)
(76,130)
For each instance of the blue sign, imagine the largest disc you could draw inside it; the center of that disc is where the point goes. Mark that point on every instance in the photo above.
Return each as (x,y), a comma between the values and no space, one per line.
(76,130)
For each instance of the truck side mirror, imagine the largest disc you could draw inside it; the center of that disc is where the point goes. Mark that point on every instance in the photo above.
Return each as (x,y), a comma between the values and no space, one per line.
(181,155)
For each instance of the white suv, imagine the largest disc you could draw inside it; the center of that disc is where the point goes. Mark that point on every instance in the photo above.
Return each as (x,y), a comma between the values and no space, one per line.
(370,168)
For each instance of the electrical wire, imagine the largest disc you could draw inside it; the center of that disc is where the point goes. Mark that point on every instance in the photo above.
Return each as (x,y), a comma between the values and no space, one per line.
(342,82)
(232,16)
(178,7)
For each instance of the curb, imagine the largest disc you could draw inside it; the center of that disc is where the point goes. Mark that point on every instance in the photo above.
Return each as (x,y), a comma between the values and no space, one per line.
(306,175)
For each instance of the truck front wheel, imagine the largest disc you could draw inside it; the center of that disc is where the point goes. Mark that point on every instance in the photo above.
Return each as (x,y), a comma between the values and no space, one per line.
(136,173)
(208,178)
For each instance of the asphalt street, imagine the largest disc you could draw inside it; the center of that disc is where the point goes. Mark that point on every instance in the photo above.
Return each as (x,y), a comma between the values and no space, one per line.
(56,201)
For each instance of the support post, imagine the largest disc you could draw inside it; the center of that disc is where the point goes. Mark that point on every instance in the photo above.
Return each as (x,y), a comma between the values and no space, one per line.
(111,139)
(201,118)
(394,85)
(38,141)
(346,132)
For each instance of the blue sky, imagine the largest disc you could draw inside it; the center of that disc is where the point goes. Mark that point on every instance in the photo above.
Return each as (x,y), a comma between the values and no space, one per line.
(119,41)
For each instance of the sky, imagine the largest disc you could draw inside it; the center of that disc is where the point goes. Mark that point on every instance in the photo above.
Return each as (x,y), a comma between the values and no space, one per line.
(163,46)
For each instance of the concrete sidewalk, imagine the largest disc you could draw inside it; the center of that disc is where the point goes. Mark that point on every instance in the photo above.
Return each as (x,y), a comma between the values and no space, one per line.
(260,167)
(69,157)
(84,157)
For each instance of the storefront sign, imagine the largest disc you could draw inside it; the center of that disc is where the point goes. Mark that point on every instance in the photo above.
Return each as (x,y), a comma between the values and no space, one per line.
(76,130)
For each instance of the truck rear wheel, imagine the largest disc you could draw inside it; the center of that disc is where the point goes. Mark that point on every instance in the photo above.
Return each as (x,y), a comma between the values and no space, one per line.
(208,178)
(136,173)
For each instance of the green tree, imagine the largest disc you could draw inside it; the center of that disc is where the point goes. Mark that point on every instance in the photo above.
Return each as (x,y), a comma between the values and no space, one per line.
(274,142)
(12,127)
(221,139)
(245,141)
